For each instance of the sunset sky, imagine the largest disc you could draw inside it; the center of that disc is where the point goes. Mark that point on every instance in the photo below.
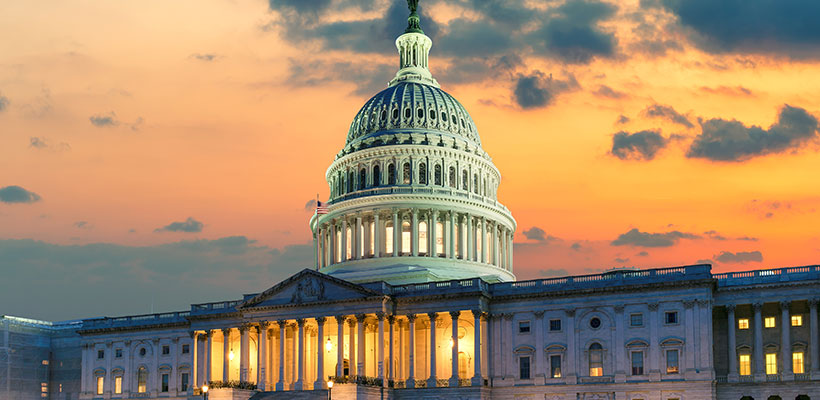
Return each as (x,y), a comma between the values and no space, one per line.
(155,154)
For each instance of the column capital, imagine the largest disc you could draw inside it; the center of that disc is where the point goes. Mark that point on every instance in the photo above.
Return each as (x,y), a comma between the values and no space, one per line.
(201,338)
(703,302)
(477,312)
(340,319)
(300,322)
(757,306)
(264,325)
(653,306)
(784,305)
(380,316)
(687,304)
(391,319)
(619,309)
(209,333)
(411,317)
(282,323)
(360,317)
(432,316)
(814,302)
(730,307)
(320,321)
(570,312)
(455,314)
(508,316)
(226,331)
(244,327)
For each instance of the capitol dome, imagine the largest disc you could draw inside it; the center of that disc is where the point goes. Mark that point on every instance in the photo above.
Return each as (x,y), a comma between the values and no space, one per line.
(413,193)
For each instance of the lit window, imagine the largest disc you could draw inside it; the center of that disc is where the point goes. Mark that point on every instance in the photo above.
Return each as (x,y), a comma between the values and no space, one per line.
(45,362)
(100,384)
(43,387)
(524,327)
(349,244)
(117,385)
(555,366)
(769,322)
(671,317)
(771,364)
(672,362)
(596,360)
(743,323)
(423,237)
(636,319)
(637,363)
(405,237)
(523,368)
(797,320)
(555,325)
(439,238)
(745,364)
(797,362)
(388,238)
(372,247)
(142,380)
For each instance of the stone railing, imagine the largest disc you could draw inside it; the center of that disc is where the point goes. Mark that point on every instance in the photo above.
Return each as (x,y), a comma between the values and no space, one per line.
(460,285)
(136,320)
(808,272)
(437,190)
(802,377)
(721,379)
(215,307)
(773,378)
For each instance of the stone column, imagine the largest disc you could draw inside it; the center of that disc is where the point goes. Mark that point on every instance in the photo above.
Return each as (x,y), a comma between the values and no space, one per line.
(320,355)
(396,233)
(340,345)
(380,349)
(332,248)
(156,378)
(510,247)
(571,356)
(454,377)
(470,239)
(243,353)
(411,340)
(621,360)
(343,251)
(391,374)
(431,382)
(209,334)
(262,356)
(358,250)
(483,257)
(759,366)
(508,349)
(414,233)
(433,239)
(377,235)
(351,347)
(194,362)
(814,346)
(451,237)
(496,259)
(360,356)
(785,341)
(300,366)
(280,384)
(226,351)
(654,351)
(689,340)
(733,373)
(478,379)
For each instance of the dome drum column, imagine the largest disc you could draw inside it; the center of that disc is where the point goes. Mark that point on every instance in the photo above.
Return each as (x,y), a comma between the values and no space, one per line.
(451,243)
(432,249)
(358,251)
(414,229)
(470,239)
(377,239)
(483,257)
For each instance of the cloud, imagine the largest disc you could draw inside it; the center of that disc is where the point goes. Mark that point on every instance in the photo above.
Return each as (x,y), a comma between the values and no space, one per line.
(572,34)
(538,234)
(168,276)
(104,120)
(736,91)
(310,205)
(643,145)
(608,92)
(740,257)
(82,225)
(576,246)
(644,239)
(732,141)
(620,260)
(538,90)
(4,103)
(41,143)
(16,194)
(369,78)
(668,113)
(778,27)
(37,143)
(622,119)
(206,57)
(642,254)
(190,225)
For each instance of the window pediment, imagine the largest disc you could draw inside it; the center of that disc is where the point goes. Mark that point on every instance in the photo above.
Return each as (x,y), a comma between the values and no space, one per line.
(672,342)
(555,348)
(637,344)
(524,349)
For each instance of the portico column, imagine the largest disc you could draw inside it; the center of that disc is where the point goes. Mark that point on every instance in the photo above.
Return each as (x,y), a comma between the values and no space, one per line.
(351,347)
(483,257)
(343,250)
(226,353)
(396,233)
(380,349)
(433,238)
(300,366)
(391,375)
(340,345)
(451,237)
(477,380)
(209,334)
(814,347)
(785,341)
(454,366)
(377,235)
(360,356)
(411,378)
(431,382)
(572,373)
(194,363)
(414,229)
(760,367)
(280,384)
(262,357)
(320,355)
(470,239)
(733,374)
(243,353)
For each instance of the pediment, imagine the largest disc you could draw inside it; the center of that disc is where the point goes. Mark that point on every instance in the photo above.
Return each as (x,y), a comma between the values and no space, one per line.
(308,286)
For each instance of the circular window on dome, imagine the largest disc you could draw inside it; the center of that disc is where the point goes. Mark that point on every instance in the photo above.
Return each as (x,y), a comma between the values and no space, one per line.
(595,323)
(420,113)
(407,113)
(432,114)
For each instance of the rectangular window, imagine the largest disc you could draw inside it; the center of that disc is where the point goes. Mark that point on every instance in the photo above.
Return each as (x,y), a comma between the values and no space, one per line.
(45,362)
(118,353)
(186,349)
(555,325)
(388,240)
(117,385)
(555,366)
(797,320)
(43,387)
(743,323)
(771,364)
(184,384)
(671,317)
(596,363)
(164,382)
(523,368)
(672,362)
(745,364)
(797,362)
(372,249)
(524,327)
(100,384)
(166,350)
(768,322)
(637,363)
(636,319)
(100,353)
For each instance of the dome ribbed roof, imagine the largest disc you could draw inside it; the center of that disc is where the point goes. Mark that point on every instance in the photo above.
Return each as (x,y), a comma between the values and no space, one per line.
(410,106)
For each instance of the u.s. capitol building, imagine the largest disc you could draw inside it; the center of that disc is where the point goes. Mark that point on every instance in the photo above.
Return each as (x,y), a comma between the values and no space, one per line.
(413,296)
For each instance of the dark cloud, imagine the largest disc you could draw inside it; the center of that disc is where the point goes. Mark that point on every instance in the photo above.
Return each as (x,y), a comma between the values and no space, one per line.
(310,205)
(369,78)
(643,145)
(608,92)
(740,257)
(622,119)
(620,260)
(538,90)
(736,91)
(41,143)
(780,27)
(82,225)
(732,141)
(168,276)
(16,194)
(538,234)
(714,235)
(190,225)
(207,57)
(668,113)
(644,239)
(37,143)
(571,32)
(642,254)
(4,103)
(104,120)
(576,246)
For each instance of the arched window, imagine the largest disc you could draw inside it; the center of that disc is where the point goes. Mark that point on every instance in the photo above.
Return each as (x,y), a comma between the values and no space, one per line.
(351,177)
(142,380)
(422,174)
(388,238)
(439,239)
(372,239)
(377,176)
(395,113)
(465,181)
(596,360)
(475,183)
(349,244)
(477,240)
(422,237)
(437,175)
(362,178)
(420,113)
(432,114)
(452,177)
(406,177)
(391,174)
(384,115)
(406,239)
(407,113)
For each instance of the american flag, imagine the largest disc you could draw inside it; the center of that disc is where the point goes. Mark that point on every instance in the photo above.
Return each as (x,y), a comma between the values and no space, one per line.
(321,208)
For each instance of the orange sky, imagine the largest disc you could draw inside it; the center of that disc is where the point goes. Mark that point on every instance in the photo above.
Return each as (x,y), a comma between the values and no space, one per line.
(209,121)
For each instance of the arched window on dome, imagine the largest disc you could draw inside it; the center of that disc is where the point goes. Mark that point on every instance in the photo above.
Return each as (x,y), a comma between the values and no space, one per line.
(452,177)
(596,360)
(349,244)
(443,116)
(453,118)
(396,113)
(408,113)
(362,178)
(384,116)
(388,238)
(437,175)
(475,183)
(423,238)
(391,174)
(422,173)
(406,238)
(377,176)
(465,180)
(351,177)
(432,114)
(420,113)
(406,177)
